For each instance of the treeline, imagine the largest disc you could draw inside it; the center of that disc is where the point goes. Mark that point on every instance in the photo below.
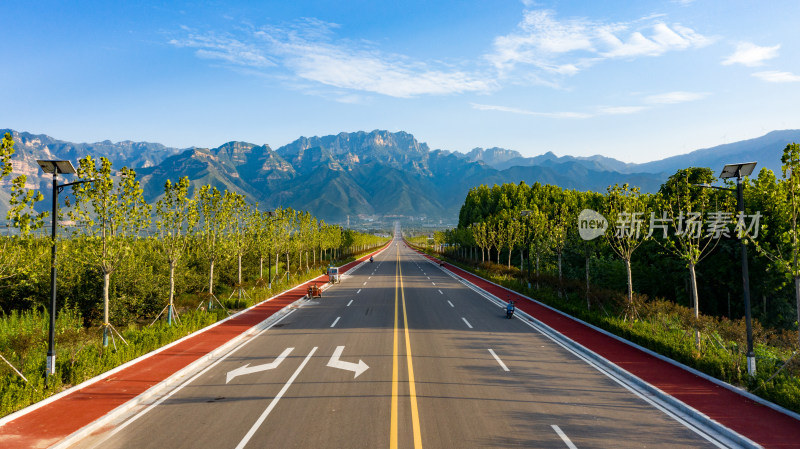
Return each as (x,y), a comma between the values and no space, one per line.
(681,244)
(122,261)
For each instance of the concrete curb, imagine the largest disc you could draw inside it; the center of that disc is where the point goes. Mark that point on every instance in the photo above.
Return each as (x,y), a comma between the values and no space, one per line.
(623,374)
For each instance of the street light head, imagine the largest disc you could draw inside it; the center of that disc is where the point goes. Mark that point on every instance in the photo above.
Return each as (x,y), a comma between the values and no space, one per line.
(63,167)
(737,170)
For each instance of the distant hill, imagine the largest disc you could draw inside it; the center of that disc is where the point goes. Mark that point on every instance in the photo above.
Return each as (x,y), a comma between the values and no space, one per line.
(374,173)
(766,150)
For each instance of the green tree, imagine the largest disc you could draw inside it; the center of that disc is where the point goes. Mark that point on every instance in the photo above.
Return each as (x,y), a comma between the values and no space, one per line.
(238,212)
(626,206)
(214,222)
(684,205)
(176,218)
(109,215)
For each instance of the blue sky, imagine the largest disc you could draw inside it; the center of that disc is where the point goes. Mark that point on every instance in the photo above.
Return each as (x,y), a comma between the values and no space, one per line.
(637,81)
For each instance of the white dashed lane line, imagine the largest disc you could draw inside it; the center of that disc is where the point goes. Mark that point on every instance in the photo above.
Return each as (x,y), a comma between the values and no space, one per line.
(337,320)
(502,365)
(465,322)
(451,304)
(348,304)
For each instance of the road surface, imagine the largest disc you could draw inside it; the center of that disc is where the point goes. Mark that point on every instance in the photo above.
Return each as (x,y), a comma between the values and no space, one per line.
(399,355)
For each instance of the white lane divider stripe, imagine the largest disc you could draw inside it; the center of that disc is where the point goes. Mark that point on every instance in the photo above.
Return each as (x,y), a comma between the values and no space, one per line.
(335,321)
(502,365)
(466,322)
(348,304)
(274,402)
(359,291)
(451,304)
(440,292)
(434,283)
(365,283)
(564,437)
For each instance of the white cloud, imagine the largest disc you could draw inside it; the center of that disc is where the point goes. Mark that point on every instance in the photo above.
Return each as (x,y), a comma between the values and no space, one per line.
(570,115)
(778,77)
(226,49)
(565,47)
(310,51)
(751,55)
(621,110)
(675,97)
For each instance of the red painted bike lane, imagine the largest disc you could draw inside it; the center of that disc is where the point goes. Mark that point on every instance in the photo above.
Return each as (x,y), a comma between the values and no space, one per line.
(761,424)
(49,424)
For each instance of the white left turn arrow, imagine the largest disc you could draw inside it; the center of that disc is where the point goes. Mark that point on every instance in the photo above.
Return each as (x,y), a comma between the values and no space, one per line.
(357,368)
(247,369)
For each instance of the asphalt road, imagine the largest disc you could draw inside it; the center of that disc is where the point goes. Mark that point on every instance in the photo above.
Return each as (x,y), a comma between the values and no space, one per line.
(444,369)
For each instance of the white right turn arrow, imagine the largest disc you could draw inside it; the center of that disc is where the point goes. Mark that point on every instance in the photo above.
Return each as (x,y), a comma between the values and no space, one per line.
(357,368)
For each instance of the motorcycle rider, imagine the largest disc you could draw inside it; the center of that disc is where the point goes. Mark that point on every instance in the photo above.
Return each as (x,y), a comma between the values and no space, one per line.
(510,308)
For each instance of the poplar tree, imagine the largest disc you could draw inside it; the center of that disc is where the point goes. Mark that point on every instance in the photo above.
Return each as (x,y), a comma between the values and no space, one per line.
(626,206)
(684,206)
(109,216)
(176,218)
(214,222)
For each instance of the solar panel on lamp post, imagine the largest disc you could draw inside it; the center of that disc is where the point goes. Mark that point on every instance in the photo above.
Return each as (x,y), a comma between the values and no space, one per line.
(739,171)
(55,167)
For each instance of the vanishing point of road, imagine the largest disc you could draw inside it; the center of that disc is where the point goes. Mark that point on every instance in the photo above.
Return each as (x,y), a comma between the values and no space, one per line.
(399,355)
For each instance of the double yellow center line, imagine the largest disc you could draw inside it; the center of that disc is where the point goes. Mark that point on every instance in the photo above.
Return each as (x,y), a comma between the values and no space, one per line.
(399,294)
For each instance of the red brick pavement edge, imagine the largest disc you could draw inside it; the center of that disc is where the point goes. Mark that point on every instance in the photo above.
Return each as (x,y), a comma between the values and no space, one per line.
(45,425)
(762,424)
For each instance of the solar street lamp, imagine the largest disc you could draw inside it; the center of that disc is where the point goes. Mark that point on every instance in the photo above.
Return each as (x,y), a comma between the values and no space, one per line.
(55,167)
(739,171)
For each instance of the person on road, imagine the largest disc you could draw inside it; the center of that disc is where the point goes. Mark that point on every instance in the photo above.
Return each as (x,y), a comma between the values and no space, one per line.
(370,258)
(510,308)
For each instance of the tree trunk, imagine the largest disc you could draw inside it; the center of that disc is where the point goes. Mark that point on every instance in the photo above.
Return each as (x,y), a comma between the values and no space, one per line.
(509,258)
(287,265)
(171,291)
(588,302)
(521,262)
(797,299)
(696,303)
(211,284)
(261,267)
(106,283)
(559,268)
(630,280)
(239,261)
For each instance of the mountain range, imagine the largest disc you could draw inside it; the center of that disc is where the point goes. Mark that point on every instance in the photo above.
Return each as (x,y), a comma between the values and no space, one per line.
(372,174)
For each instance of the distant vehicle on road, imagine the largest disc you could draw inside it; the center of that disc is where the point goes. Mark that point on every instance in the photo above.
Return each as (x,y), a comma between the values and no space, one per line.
(333,275)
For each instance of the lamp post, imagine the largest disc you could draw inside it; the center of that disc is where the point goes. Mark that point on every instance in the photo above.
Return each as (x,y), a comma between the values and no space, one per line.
(55,167)
(739,171)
